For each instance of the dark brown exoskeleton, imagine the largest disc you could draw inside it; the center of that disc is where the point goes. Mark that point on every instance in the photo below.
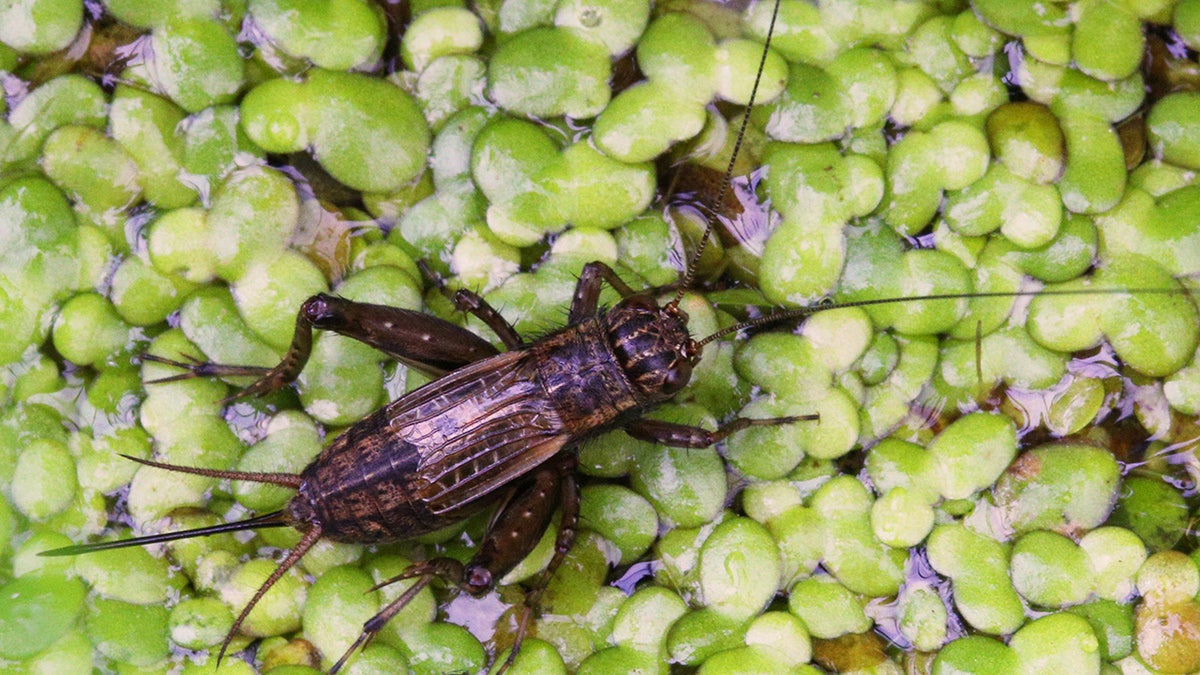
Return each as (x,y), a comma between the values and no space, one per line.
(496,426)
(491,428)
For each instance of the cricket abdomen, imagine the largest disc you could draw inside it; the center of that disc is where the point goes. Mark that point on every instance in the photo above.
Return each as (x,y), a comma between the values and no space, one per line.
(433,456)
(361,489)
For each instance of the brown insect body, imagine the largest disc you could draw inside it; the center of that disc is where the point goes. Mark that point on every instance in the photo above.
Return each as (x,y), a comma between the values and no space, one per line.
(493,427)
(440,453)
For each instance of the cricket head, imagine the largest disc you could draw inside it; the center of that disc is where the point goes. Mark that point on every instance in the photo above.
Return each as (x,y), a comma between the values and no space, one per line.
(653,346)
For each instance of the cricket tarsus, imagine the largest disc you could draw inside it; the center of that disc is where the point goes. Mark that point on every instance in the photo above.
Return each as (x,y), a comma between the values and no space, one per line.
(423,342)
(194,368)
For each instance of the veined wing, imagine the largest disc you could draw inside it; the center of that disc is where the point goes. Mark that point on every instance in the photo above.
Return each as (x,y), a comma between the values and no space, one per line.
(478,428)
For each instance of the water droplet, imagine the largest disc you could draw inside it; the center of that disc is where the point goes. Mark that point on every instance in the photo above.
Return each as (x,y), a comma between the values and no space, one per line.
(590,17)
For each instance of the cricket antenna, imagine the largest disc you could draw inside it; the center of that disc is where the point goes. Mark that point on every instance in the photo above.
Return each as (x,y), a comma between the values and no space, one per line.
(727,177)
(801,312)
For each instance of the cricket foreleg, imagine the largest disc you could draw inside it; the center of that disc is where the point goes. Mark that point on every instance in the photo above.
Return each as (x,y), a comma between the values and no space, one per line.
(587,291)
(685,436)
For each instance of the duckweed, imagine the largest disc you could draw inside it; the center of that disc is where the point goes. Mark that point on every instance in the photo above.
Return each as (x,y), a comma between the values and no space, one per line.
(176,178)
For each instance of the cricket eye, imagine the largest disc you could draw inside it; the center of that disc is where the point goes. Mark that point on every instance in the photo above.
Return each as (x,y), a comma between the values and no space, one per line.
(676,377)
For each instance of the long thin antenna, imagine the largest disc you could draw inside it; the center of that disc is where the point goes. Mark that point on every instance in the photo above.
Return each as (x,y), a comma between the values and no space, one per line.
(802,312)
(727,178)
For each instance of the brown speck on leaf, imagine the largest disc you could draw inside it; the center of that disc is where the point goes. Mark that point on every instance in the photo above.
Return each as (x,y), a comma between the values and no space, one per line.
(1167,67)
(1026,466)
(1132,133)
(298,652)
(849,653)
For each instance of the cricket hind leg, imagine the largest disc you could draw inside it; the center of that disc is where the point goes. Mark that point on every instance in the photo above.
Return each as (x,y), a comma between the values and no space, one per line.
(419,340)
(512,534)
(425,572)
(687,436)
(474,304)
(307,542)
(569,497)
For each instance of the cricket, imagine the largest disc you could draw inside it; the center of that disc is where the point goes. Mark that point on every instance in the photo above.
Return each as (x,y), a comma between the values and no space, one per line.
(499,429)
